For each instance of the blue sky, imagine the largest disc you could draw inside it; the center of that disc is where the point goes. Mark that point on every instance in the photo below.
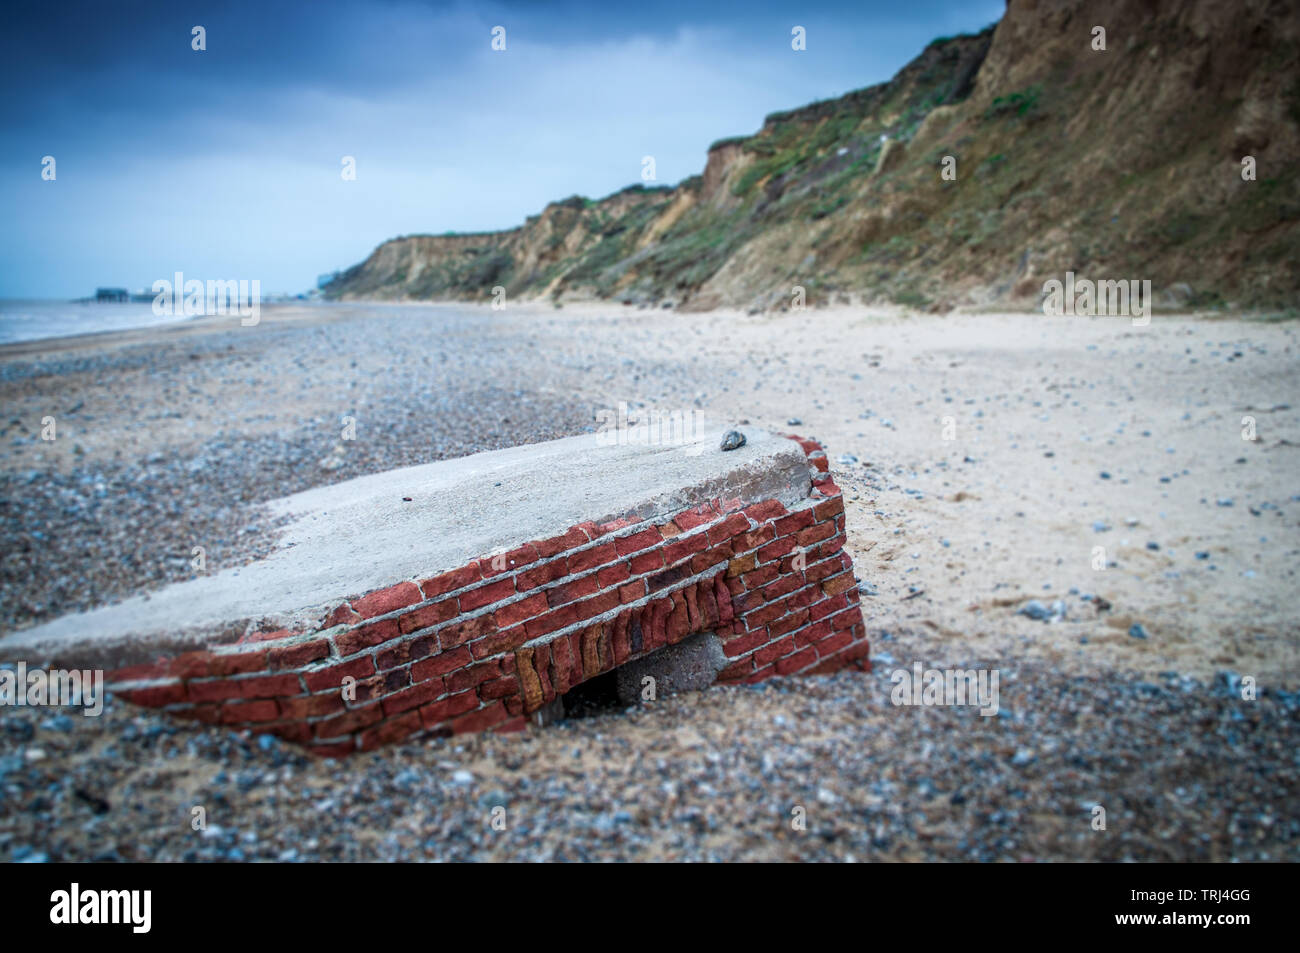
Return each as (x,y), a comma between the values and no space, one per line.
(226,163)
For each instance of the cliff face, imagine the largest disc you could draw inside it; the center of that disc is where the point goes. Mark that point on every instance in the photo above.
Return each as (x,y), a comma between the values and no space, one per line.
(1122,163)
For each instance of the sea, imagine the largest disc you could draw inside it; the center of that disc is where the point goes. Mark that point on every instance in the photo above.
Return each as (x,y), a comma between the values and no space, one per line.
(33,320)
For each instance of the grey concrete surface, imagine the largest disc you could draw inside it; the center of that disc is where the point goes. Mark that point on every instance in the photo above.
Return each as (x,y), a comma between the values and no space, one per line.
(414,522)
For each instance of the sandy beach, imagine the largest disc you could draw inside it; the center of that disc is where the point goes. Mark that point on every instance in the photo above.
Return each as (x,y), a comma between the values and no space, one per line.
(984,457)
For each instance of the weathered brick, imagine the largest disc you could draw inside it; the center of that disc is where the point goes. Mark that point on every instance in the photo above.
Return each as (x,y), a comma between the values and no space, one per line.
(366,636)
(593,557)
(450,581)
(268,686)
(440,664)
(493,714)
(420,693)
(762,512)
(437,712)
(333,676)
(296,656)
(572,591)
(815,534)
(520,610)
(506,640)
(837,584)
(387,732)
(156,696)
(541,575)
(387,600)
(646,562)
(311,706)
(555,545)
(408,650)
(427,616)
(249,711)
(635,542)
(348,721)
(481,596)
(792,663)
(525,555)
(794,522)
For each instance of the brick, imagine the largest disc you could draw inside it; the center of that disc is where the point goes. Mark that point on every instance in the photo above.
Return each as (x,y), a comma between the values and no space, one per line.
(829,646)
(416,695)
(268,686)
(753,539)
(634,543)
(669,577)
(450,581)
(776,549)
(838,584)
(669,530)
(555,545)
(343,615)
(440,664)
(511,725)
(191,665)
(298,732)
(782,585)
(788,623)
(572,591)
(646,562)
(348,722)
(333,676)
(249,711)
(485,595)
(828,509)
(723,596)
(296,656)
(439,711)
(530,686)
(815,534)
(215,690)
(632,591)
(679,549)
(774,651)
(737,669)
(741,565)
(427,616)
(764,511)
(387,600)
(828,607)
(240,664)
(591,558)
(147,671)
(758,578)
(509,561)
(543,574)
(493,714)
(367,636)
(618,638)
(408,650)
(744,643)
(311,706)
(156,696)
(498,688)
(792,663)
(507,640)
(471,676)
(387,732)
(791,524)
(467,630)
(520,610)
(612,575)
(377,686)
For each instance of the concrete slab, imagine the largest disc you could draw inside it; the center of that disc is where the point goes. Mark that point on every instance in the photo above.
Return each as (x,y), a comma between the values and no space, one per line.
(364,534)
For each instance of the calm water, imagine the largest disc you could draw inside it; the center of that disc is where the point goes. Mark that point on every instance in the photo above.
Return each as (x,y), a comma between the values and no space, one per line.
(30,320)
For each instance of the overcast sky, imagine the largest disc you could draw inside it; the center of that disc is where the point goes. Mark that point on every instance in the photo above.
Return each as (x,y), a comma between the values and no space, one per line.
(226,163)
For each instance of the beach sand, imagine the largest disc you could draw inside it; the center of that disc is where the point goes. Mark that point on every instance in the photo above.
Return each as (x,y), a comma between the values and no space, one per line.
(1066,434)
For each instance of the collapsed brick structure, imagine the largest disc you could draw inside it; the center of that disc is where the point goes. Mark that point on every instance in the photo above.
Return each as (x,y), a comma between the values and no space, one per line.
(490,642)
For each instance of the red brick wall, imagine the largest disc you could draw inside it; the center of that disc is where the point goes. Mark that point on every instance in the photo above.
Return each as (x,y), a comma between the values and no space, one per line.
(487,644)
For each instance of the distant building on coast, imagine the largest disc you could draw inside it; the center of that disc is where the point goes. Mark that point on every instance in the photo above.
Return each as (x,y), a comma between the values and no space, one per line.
(112,294)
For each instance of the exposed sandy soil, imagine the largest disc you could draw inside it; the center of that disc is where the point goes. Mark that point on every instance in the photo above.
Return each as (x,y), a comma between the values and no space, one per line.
(953,535)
